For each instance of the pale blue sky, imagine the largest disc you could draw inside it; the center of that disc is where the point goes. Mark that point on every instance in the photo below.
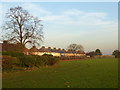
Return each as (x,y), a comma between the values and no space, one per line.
(91,24)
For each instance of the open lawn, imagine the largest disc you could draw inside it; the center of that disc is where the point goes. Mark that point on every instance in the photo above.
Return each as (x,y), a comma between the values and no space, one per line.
(91,73)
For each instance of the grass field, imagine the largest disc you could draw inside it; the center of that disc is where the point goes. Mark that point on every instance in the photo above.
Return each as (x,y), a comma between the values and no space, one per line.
(94,73)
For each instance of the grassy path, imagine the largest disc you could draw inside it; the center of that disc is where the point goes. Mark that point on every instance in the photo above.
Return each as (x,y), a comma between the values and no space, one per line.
(96,73)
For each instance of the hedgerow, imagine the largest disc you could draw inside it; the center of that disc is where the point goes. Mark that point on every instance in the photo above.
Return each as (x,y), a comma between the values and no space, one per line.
(19,59)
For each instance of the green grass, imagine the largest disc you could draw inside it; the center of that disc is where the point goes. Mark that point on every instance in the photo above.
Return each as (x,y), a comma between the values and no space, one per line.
(95,73)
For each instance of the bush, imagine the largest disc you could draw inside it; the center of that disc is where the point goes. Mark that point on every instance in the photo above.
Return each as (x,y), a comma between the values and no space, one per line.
(9,62)
(47,54)
(29,61)
(34,60)
(52,60)
(48,60)
(45,60)
(12,53)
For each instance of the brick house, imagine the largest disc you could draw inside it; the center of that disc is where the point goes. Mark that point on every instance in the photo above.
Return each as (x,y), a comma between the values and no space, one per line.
(5,46)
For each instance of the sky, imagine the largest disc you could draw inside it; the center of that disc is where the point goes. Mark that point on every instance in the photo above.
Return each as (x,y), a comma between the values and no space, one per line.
(90,24)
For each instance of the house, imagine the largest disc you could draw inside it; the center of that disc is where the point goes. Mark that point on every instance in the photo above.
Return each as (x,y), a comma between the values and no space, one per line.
(5,46)
(26,51)
(53,51)
(41,51)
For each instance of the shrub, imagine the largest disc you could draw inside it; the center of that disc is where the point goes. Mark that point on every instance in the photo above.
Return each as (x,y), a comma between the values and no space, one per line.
(45,60)
(9,62)
(34,60)
(116,53)
(12,53)
(27,61)
(52,60)
(47,54)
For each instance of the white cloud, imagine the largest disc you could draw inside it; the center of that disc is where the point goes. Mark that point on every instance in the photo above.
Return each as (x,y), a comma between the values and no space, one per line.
(53,18)
(91,29)
(73,12)
(0,14)
(76,26)
(35,10)
(78,18)
(101,15)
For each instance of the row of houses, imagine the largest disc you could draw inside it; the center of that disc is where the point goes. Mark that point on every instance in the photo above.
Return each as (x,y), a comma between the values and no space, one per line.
(52,51)
(43,50)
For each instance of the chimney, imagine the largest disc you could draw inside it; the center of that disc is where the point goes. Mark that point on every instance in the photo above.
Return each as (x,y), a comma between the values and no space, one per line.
(49,47)
(59,48)
(43,46)
(34,46)
(5,42)
(54,48)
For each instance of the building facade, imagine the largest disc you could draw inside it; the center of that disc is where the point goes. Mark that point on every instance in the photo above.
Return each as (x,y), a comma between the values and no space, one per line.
(5,46)
(53,51)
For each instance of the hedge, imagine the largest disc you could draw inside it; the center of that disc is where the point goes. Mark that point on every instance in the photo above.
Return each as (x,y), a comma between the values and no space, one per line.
(19,59)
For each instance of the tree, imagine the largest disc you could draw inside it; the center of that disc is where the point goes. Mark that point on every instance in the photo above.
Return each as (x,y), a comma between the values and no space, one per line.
(98,52)
(74,48)
(21,27)
(116,53)
(91,54)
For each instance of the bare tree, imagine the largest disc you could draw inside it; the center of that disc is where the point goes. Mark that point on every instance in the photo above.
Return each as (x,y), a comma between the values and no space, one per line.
(74,48)
(21,27)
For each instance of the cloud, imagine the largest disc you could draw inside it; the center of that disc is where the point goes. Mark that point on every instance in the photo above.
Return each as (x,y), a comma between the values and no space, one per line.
(0,14)
(35,10)
(78,18)
(72,12)
(91,29)
(54,18)
(67,17)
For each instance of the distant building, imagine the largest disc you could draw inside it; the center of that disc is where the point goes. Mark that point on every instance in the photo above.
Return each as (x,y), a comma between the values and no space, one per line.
(52,51)
(5,46)
(34,51)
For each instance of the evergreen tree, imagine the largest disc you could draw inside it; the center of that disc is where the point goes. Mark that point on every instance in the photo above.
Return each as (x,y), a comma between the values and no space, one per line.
(98,52)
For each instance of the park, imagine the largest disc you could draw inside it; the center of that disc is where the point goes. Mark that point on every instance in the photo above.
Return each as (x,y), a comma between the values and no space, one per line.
(72,45)
(89,73)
